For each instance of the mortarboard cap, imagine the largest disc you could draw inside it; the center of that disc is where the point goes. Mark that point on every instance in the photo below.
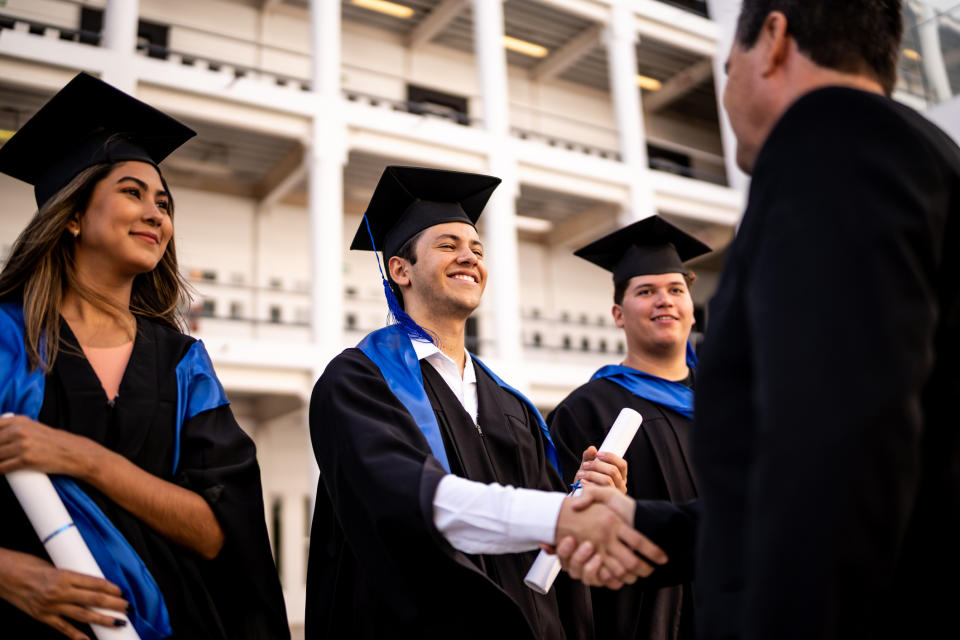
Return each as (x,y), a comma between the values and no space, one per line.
(407,200)
(86,123)
(648,247)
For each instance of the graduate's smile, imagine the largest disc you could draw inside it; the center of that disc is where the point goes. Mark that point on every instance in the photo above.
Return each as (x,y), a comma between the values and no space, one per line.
(465,276)
(146,236)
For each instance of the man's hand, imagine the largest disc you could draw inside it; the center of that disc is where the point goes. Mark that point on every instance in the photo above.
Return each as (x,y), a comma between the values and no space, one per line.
(606,538)
(603,469)
(585,557)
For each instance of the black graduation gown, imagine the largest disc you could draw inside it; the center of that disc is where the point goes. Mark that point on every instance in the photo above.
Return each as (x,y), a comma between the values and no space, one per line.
(658,469)
(827,448)
(378,566)
(235,596)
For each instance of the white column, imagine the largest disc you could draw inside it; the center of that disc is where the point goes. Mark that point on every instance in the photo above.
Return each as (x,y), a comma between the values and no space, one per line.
(120,37)
(292,544)
(499,218)
(621,39)
(725,14)
(931,52)
(327,155)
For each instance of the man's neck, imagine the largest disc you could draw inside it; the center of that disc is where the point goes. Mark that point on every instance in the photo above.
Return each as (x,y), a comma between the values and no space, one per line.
(668,366)
(449,331)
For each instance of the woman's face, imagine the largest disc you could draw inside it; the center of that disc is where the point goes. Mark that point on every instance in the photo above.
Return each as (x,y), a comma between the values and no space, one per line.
(126,225)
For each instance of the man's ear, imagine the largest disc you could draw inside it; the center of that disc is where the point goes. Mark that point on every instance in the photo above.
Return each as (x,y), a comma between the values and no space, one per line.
(775,40)
(617,313)
(399,270)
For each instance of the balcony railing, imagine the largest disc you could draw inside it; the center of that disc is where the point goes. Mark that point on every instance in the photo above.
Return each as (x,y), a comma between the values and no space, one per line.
(530,123)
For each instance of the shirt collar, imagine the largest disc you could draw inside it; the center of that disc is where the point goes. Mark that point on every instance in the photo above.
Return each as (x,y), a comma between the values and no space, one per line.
(428,350)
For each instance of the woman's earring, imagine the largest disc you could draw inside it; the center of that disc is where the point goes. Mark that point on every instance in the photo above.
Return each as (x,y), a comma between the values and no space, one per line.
(75,232)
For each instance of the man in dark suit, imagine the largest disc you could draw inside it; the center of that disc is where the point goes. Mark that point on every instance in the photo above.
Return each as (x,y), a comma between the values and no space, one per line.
(827,455)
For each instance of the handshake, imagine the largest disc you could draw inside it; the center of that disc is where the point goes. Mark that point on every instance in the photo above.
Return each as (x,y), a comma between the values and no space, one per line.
(596,541)
(595,538)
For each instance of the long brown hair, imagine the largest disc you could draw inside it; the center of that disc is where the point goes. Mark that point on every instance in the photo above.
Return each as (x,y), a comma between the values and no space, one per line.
(40,269)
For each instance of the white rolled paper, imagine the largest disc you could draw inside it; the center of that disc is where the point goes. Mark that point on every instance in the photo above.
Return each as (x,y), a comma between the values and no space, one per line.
(546,567)
(60,537)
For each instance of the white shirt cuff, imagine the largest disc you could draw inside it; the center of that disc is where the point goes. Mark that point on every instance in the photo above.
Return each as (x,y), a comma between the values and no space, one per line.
(491,518)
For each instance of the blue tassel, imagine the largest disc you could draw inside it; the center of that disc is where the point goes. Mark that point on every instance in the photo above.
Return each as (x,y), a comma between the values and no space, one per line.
(400,317)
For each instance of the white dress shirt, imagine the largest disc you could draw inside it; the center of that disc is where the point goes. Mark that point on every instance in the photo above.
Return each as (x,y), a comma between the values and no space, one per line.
(485,518)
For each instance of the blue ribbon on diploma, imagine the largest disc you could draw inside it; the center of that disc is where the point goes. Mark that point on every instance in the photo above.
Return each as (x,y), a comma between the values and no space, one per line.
(667,393)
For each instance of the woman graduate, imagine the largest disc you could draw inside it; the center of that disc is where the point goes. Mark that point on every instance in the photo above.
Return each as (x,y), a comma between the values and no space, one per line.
(113,401)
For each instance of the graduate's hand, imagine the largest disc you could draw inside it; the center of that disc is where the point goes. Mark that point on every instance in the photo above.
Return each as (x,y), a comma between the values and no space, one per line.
(28,444)
(612,538)
(54,596)
(604,469)
(580,557)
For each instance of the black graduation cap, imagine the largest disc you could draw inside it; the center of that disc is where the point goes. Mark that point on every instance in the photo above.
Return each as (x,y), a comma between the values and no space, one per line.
(648,247)
(86,123)
(407,200)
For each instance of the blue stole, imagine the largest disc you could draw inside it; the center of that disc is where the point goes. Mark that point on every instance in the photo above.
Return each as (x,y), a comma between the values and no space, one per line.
(21,392)
(391,351)
(667,393)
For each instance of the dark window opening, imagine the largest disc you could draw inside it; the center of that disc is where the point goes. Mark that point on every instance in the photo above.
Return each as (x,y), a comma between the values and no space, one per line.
(351,321)
(152,37)
(473,336)
(667,160)
(602,345)
(276,314)
(566,342)
(421,101)
(537,340)
(584,344)
(208,308)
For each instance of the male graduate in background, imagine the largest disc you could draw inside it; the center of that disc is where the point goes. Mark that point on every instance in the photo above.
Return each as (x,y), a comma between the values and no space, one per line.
(416,533)
(826,443)
(652,304)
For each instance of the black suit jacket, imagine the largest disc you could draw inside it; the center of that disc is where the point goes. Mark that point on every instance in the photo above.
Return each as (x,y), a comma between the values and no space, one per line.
(826,446)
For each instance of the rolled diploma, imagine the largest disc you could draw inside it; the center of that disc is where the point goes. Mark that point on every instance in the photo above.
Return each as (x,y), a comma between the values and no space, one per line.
(61,539)
(546,567)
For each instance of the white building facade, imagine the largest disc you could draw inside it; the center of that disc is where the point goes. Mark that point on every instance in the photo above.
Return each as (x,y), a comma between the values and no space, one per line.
(594,113)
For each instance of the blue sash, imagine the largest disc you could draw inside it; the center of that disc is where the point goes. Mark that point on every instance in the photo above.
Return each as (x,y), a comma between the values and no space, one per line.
(198,390)
(21,392)
(391,350)
(672,395)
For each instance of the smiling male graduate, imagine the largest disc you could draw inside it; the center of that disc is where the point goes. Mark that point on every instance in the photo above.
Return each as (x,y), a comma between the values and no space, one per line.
(652,304)
(426,521)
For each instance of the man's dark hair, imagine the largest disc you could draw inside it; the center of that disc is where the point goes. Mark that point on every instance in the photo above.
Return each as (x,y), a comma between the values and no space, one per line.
(407,251)
(853,36)
(620,288)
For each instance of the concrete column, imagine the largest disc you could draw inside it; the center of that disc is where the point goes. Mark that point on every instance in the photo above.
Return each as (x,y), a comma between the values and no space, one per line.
(621,39)
(327,155)
(725,13)
(499,218)
(120,37)
(931,52)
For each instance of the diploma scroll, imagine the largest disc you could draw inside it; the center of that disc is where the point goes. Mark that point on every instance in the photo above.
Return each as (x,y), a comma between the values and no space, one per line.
(546,567)
(60,537)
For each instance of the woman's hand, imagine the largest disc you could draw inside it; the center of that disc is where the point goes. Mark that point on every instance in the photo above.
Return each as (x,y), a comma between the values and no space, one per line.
(54,596)
(28,444)
(603,469)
